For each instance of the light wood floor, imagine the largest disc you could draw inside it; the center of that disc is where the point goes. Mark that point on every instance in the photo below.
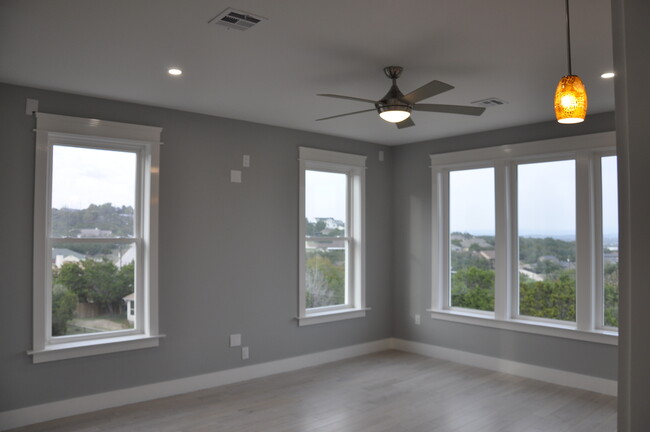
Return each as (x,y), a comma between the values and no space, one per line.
(390,391)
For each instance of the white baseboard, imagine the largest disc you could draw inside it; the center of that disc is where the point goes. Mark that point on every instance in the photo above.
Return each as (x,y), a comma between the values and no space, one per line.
(53,410)
(554,376)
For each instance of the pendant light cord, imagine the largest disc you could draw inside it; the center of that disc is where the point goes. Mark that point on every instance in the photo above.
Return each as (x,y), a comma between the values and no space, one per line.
(568,36)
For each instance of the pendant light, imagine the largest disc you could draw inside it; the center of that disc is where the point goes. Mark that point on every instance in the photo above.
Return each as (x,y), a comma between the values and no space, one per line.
(570,95)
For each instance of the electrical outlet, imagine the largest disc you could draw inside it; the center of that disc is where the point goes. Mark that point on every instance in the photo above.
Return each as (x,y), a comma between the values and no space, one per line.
(235,340)
(244,353)
(246,161)
(416,318)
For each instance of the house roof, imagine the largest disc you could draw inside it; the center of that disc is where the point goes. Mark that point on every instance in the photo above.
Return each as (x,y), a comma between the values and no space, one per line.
(511,49)
(67,252)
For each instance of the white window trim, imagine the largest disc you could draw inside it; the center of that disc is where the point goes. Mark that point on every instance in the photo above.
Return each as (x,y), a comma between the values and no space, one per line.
(354,166)
(586,149)
(144,140)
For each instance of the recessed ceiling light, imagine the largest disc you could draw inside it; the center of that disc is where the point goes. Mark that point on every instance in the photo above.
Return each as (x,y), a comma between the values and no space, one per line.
(607,75)
(175,71)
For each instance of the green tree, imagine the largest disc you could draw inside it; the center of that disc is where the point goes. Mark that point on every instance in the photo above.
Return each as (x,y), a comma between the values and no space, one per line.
(325,278)
(64,303)
(72,276)
(105,286)
(555,299)
(473,288)
(611,294)
(531,249)
(465,259)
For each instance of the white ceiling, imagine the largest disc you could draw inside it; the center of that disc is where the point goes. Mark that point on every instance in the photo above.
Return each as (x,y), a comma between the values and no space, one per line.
(121,49)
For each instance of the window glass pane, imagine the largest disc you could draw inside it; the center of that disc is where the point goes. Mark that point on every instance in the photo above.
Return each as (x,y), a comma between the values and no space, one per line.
(610,239)
(92,287)
(325,273)
(93,192)
(472,229)
(547,248)
(325,204)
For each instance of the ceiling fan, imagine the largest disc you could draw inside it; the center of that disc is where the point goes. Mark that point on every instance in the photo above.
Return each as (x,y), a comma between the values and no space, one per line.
(395,107)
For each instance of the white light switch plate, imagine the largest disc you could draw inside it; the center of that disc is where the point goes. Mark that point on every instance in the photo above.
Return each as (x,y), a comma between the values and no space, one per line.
(246,161)
(244,353)
(235,340)
(235,176)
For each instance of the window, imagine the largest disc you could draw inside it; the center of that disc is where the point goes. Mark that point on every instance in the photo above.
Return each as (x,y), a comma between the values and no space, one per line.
(95,237)
(332,248)
(525,237)
(471,239)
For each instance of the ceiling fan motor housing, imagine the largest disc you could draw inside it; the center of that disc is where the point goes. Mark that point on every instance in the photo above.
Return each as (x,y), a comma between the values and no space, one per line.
(394,99)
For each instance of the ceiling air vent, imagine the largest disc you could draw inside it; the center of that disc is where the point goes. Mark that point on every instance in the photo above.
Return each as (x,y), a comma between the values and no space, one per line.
(235,19)
(490,102)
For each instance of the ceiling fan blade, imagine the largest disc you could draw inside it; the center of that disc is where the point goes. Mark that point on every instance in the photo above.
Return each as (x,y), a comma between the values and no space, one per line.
(347,97)
(451,109)
(405,123)
(426,91)
(343,115)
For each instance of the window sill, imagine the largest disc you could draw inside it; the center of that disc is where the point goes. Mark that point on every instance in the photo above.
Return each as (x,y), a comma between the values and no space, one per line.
(329,316)
(534,327)
(93,347)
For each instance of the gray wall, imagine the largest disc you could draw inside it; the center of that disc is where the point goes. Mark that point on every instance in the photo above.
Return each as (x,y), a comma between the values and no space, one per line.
(412,265)
(228,252)
(632,65)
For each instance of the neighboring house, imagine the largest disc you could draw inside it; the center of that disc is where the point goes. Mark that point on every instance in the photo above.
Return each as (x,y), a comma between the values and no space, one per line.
(332,223)
(489,255)
(126,257)
(61,256)
(94,232)
(326,245)
(549,258)
(531,274)
(130,307)
(611,257)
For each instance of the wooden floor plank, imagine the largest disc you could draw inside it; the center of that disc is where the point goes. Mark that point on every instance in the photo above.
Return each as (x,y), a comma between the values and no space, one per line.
(384,392)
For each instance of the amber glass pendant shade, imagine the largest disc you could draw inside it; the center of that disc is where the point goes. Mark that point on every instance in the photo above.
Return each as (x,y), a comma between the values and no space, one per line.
(570,100)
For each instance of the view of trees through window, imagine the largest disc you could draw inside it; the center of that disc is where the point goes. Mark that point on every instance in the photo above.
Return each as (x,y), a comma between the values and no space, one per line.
(326,243)
(547,245)
(471,210)
(93,258)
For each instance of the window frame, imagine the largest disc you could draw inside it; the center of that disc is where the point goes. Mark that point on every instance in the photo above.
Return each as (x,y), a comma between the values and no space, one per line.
(144,141)
(586,150)
(353,166)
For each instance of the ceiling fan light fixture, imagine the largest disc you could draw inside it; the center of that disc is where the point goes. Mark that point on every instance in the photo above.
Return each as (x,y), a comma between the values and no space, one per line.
(394,113)
(570,100)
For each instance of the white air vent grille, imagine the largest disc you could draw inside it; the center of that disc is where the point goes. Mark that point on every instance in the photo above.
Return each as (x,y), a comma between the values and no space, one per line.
(490,102)
(235,19)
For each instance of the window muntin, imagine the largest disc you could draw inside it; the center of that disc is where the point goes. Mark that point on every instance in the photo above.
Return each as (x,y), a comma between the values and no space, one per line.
(95,237)
(584,152)
(609,210)
(546,220)
(332,262)
(472,239)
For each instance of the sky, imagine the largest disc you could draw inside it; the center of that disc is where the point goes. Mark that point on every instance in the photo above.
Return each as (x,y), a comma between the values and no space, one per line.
(546,199)
(325,195)
(83,176)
